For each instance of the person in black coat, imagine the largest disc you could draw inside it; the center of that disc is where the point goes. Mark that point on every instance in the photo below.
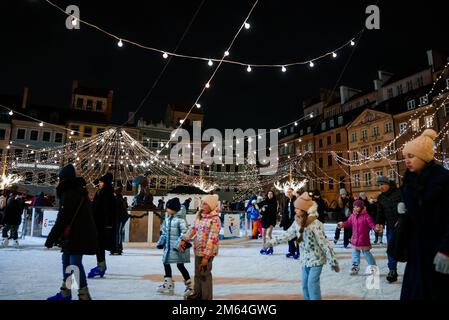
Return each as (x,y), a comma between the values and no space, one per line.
(288,217)
(322,207)
(269,208)
(344,210)
(387,212)
(425,192)
(122,217)
(12,219)
(76,228)
(105,216)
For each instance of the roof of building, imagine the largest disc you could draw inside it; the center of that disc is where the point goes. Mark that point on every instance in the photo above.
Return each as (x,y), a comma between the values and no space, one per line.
(400,76)
(94,92)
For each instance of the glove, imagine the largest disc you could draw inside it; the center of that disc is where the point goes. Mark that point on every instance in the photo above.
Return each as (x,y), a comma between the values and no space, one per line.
(49,243)
(401,208)
(441,263)
(336,268)
(160,246)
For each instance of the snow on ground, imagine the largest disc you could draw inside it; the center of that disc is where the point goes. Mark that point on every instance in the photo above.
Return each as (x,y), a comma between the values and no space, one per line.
(240,272)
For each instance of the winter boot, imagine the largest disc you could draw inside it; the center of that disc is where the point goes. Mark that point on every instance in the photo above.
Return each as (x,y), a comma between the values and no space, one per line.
(263,251)
(289,255)
(99,270)
(168,287)
(63,295)
(295,256)
(83,294)
(189,289)
(392,276)
(269,251)
(354,270)
(5,243)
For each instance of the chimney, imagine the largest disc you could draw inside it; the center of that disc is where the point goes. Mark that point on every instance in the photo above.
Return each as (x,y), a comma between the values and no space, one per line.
(435,60)
(130,118)
(346,93)
(26,98)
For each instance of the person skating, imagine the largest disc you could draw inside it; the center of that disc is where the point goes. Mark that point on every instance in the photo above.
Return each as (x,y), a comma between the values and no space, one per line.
(361,223)
(268,211)
(205,232)
(387,204)
(75,225)
(344,210)
(288,217)
(315,249)
(254,214)
(12,220)
(425,192)
(122,217)
(104,212)
(174,228)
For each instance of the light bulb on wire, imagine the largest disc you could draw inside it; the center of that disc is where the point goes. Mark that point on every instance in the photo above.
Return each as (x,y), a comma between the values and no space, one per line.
(226,53)
(247,25)
(210,63)
(248,69)
(120,43)
(311,64)
(198,105)
(352,43)
(11,113)
(208,85)
(334,55)
(41,124)
(165,55)
(284,69)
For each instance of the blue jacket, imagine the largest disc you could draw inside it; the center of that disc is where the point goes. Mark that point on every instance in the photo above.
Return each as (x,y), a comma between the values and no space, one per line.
(173,228)
(253,212)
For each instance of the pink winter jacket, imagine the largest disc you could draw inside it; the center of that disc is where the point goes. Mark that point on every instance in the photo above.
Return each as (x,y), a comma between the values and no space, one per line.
(361,224)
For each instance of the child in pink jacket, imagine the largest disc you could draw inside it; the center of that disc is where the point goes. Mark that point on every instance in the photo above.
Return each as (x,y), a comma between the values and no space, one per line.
(361,223)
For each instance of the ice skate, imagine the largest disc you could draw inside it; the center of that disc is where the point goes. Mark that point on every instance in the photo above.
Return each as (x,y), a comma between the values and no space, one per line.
(189,290)
(354,270)
(168,287)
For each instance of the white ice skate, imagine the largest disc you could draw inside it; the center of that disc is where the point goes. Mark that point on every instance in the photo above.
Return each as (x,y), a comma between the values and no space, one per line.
(189,290)
(168,287)
(5,243)
(16,243)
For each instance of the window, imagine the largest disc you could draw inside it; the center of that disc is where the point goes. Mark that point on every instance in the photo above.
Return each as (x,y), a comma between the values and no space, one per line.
(390,93)
(331,184)
(355,156)
(392,174)
(419,81)
(415,125)
(379,173)
(409,85)
(357,180)
(329,140)
(367,179)
(377,149)
(390,148)
(41,178)
(323,126)
(58,137)
(377,152)
(364,134)
(402,127)
(87,131)
(410,104)
(20,134)
(18,154)
(285,132)
(44,156)
(446,109)
(353,136)
(399,89)
(331,123)
(338,138)
(321,185)
(365,152)
(388,127)
(320,162)
(75,129)
(99,106)
(320,143)
(28,177)
(376,131)
(31,156)
(447,83)
(53,178)
(301,132)
(310,146)
(46,136)
(79,103)
(424,100)
(2,134)
(89,104)
(329,161)
(33,135)
(340,120)
(309,129)
(292,129)
(428,121)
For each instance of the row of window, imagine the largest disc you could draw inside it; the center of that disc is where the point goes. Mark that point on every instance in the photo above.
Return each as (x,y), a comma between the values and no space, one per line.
(329,140)
(415,124)
(367,178)
(34,135)
(388,127)
(364,152)
(89,104)
(424,100)
(330,160)
(88,131)
(331,123)
(358,104)
(409,85)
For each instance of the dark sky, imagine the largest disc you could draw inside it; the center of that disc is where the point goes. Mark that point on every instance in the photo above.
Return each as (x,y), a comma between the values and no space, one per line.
(38,51)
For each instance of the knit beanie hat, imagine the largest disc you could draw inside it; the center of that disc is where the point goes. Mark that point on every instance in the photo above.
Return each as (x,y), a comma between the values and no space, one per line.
(343,192)
(173,204)
(211,200)
(67,173)
(359,203)
(304,202)
(422,147)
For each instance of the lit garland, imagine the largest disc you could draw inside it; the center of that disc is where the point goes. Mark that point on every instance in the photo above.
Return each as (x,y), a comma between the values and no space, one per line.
(9,180)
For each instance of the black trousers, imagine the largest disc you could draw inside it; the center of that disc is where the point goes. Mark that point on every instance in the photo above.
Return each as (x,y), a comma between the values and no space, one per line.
(347,234)
(181,268)
(293,247)
(14,231)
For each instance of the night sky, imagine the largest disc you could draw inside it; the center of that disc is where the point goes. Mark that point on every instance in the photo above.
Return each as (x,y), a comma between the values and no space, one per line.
(38,51)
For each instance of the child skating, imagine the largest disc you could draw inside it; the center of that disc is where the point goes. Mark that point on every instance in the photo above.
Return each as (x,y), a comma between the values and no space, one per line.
(175,251)
(315,249)
(361,223)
